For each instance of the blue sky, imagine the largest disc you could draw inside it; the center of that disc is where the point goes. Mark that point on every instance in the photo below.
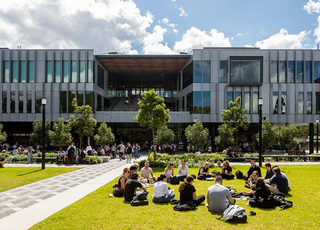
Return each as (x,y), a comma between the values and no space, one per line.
(159,26)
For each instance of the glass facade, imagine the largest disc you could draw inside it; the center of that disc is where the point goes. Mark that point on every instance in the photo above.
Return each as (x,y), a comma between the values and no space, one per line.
(6,75)
(247,101)
(30,71)
(238,94)
(309,102)
(49,72)
(89,99)
(14,71)
(65,71)
(300,103)
(274,72)
(197,101)
(246,70)
(255,102)
(223,72)
(74,76)
(300,72)
(20,101)
(201,71)
(275,102)
(187,75)
(12,102)
(291,72)
(283,102)
(317,102)
(99,102)
(206,102)
(38,104)
(283,72)
(63,101)
(229,98)
(29,102)
(23,72)
(90,71)
(308,65)
(57,71)
(82,69)
(72,95)
(101,77)
(80,98)
(4,101)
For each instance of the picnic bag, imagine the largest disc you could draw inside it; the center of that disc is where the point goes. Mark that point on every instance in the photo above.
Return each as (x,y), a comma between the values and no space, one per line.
(185,206)
(118,192)
(174,180)
(140,199)
(239,174)
(234,213)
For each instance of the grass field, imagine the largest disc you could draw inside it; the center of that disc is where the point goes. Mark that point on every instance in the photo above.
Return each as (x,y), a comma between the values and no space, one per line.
(98,211)
(15,177)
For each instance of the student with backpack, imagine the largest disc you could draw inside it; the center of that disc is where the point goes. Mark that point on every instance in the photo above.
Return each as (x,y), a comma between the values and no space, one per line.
(71,152)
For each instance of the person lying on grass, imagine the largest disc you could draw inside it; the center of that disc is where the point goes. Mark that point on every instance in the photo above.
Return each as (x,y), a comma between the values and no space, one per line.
(131,185)
(161,192)
(188,192)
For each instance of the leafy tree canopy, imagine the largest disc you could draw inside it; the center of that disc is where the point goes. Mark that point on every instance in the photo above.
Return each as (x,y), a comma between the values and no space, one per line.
(3,135)
(225,138)
(36,135)
(164,135)
(269,134)
(105,135)
(60,136)
(196,134)
(287,137)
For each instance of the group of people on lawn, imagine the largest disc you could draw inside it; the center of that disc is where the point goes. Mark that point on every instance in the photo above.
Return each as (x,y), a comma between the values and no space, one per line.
(218,196)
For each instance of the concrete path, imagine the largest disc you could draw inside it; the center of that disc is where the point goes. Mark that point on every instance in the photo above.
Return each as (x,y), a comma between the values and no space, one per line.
(23,207)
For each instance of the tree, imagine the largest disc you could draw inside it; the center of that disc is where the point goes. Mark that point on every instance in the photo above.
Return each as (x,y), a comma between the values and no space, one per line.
(225,138)
(269,134)
(3,135)
(60,136)
(83,122)
(152,113)
(164,136)
(105,135)
(236,114)
(196,134)
(304,131)
(287,137)
(36,135)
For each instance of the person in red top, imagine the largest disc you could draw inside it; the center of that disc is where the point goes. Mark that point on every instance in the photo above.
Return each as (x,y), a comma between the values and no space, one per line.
(226,171)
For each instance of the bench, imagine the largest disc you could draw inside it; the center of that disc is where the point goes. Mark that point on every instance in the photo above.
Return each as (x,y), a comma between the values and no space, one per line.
(241,158)
(296,152)
(291,157)
(39,159)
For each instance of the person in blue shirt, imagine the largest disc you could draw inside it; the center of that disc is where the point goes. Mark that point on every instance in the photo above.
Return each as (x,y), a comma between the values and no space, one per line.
(278,183)
(269,172)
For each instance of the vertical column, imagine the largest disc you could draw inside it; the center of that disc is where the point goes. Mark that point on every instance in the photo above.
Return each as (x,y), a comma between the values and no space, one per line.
(311,138)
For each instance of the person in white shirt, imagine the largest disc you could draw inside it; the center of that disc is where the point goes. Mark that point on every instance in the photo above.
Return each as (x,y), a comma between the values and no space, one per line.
(146,171)
(89,149)
(198,152)
(61,156)
(161,192)
(183,170)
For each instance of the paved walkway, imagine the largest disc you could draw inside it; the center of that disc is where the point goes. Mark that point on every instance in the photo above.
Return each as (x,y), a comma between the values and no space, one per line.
(23,207)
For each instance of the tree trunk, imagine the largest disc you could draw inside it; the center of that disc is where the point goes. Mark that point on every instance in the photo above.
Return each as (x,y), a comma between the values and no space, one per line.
(80,141)
(154,152)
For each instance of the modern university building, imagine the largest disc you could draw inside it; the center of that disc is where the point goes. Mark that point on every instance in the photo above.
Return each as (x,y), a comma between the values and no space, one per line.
(197,85)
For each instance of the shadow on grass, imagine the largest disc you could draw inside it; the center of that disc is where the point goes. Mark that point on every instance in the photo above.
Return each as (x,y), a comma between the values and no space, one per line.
(30,172)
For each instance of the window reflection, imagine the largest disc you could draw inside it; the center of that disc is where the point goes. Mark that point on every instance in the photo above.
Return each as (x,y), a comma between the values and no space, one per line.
(229,98)
(57,69)
(300,77)
(283,72)
(82,71)
(245,70)
(23,71)
(300,103)
(223,72)
(6,76)
(74,76)
(291,71)
(283,102)
(308,65)
(14,71)
(12,102)
(255,102)
(49,71)
(274,72)
(247,101)
(309,102)
(4,101)
(30,71)
(275,101)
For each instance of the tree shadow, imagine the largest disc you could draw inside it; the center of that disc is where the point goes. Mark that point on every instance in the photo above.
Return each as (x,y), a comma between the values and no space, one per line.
(30,172)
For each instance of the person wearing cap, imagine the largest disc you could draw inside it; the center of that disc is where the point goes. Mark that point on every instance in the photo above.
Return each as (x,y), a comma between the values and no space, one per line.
(131,185)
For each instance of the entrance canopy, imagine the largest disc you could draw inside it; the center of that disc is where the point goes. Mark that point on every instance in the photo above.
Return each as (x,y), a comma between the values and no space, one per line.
(163,63)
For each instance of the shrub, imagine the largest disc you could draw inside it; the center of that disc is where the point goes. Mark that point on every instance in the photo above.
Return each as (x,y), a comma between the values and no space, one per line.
(92,160)
(39,154)
(8,159)
(19,157)
(4,156)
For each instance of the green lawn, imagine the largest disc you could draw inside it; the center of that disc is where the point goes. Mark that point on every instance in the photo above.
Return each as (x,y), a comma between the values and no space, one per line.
(15,177)
(99,211)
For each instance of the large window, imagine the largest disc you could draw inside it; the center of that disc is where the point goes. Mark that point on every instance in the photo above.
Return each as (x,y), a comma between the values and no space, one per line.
(100,77)
(49,72)
(275,102)
(6,75)
(20,101)
(23,71)
(4,101)
(38,104)
(255,102)
(246,71)
(187,75)
(247,100)
(197,101)
(229,98)
(29,102)
(63,102)
(274,72)
(80,98)
(57,70)
(99,102)
(300,73)
(317,102)
(201,71)
(291,72)
(283,72)
(82,69)
(206,102)
(283,102)
(238,94)
(308,65)
(223,72)
(14,71)
(71,96)
(30,71)
(90,71)
(316,70)
(309,102)
(74,76)
(65,71)
(300,103)
(89,99)
(12,102)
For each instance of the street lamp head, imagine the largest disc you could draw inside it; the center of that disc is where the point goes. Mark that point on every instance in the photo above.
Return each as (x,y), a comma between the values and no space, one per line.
(44,101)
(260,101)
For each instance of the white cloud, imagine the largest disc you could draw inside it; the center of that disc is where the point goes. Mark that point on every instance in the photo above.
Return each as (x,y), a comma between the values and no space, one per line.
(102,25)
(173,0)
(239,34)
(152,42)
(166,22)
(197,39)
(175,31)
(283,40)
(312,6)
(182,12)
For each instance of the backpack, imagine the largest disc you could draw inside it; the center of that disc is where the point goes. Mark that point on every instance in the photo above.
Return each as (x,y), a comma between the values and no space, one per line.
(232,190)
(239,174)
(118,192)
(140,199)
(185,206)
(174,180)
(71,151)
(234,213)
(118,147)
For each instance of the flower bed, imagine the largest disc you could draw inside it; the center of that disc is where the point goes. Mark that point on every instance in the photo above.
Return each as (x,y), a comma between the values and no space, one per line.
(92,160)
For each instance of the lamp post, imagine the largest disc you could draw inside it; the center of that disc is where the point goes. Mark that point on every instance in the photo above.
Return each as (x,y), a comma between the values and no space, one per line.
(43,102)
(260,131)
(317,121)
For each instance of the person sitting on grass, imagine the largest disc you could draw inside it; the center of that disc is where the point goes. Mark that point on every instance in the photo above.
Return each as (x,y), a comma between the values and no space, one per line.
(204,172)
(123,178)
(133,169)
(262,195)
(252,184)
(161,192)
(252,168)
(278,183)
(269,172)
(188,192)
(218,197)
(183,170)
(131,185)
(146,171)
(226,171)
(169,172)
